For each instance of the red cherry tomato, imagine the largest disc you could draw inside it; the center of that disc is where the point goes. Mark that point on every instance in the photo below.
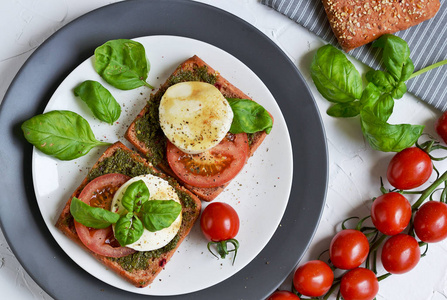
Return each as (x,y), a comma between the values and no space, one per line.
(430,222)
(391,213)
(359,284)
(313,278)
(211,168)
(219,222)
(400,254)
(283,295)
(348,249)
(409,169)
(441,127)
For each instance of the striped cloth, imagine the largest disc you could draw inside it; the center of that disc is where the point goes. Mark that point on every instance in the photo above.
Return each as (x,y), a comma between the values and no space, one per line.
(427,42)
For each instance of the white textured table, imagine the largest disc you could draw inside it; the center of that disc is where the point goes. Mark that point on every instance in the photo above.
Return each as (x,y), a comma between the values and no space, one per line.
(354,169)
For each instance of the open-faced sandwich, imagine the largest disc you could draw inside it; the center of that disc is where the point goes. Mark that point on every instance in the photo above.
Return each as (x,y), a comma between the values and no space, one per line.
(188,129)
(112,184)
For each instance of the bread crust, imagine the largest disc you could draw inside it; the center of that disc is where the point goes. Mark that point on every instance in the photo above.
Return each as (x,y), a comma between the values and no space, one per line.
(139,278)
(228,90)
(359,22)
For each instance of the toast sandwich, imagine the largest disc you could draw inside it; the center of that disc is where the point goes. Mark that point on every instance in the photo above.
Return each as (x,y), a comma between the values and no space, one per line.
(139,268)
(147,136)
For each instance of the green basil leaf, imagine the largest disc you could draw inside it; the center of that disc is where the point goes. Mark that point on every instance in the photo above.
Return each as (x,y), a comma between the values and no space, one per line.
(99,100)
(249,117)
(94,217)
(386,137)
(344,110)
(135,195)
(159,214)
(384,106)
(399,91)
(370,95)
(383,80)
(395,54)
(122,63)
(335,76)
(60,133)
(407,70)
(128,229)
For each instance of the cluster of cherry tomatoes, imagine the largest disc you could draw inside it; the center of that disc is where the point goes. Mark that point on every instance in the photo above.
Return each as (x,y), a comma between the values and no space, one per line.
(404,228)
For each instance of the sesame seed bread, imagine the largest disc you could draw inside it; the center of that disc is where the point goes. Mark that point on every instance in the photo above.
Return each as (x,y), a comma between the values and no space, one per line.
(202,72)
(358,22)
(140,277)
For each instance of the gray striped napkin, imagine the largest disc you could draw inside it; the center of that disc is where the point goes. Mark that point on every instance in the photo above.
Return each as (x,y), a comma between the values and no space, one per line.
(427,42)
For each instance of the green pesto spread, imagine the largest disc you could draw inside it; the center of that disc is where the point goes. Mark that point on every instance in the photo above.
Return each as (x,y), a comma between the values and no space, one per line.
(122,162)
(148,127)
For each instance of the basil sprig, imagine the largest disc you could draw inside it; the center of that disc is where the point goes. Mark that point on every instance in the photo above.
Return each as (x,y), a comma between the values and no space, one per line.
(249,117)
(123,64)
(100,101)
(139,213)
(61,133)
(340,83)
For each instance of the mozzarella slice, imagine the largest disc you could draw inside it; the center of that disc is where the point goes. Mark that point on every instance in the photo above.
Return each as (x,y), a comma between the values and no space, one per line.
(159,189)
(195,116)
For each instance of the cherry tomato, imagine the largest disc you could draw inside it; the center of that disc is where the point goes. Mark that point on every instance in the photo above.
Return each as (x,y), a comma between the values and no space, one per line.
(359,284)
(391,213)
(314,278)
(400,254)
(441,127)
(409,168)
(219,222)
(99,193)
(283,295)
(430,222)
(348,249)
(211,168)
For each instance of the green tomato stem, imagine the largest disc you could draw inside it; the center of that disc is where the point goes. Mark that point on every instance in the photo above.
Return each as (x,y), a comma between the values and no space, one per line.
(428,191)
(426,69)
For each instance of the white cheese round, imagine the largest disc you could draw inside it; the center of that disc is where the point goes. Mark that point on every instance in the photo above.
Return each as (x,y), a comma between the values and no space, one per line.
(195,116)
(159,189)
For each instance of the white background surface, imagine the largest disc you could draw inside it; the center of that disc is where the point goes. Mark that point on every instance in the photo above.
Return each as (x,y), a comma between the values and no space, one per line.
(354,168)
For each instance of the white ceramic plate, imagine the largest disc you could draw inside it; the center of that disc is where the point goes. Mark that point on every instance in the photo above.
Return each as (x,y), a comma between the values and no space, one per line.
(259,193)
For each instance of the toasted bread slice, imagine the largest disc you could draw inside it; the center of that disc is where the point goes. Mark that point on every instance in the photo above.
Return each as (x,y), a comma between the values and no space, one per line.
(149,263)
(145,132)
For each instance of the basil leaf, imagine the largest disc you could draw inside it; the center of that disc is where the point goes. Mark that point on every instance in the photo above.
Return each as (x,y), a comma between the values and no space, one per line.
(407,70)
(128,229)
(384,106)
(399,91)
(344,110)
(122,63)
(383,80)
(60,133)
(395,54)
(335,76)
(99,100)
(159,214)
(135,195)
(249,117)
(386,137)
(370,95)
(94,217)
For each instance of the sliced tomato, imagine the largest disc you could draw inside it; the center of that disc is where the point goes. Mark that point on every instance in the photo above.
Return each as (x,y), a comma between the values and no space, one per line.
(213,167)
(99,193)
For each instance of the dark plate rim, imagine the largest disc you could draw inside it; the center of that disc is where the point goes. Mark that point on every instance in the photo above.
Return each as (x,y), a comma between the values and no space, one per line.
(34,84)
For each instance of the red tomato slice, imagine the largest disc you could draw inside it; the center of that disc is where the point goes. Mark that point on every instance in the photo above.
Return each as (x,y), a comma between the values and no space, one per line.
(211,168)
(99,193)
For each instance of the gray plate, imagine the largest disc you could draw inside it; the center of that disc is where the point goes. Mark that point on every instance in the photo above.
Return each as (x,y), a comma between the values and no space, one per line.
(28,94)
